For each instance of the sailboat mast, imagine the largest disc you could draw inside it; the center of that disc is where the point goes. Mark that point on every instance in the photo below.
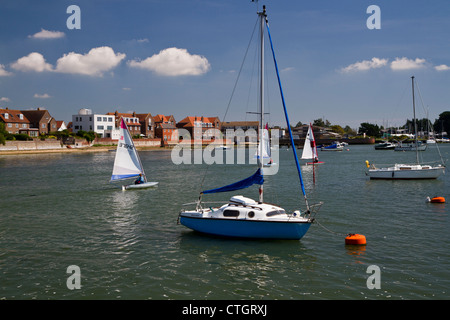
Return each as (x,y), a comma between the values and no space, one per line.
(415,123)
(262,16)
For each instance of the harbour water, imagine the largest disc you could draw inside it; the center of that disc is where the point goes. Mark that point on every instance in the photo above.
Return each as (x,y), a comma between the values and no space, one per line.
(59,210)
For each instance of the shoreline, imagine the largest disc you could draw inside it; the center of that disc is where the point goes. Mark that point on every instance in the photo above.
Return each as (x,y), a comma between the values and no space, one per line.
(75,150)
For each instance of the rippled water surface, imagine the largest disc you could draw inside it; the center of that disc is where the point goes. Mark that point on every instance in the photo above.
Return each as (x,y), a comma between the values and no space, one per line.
(58,210)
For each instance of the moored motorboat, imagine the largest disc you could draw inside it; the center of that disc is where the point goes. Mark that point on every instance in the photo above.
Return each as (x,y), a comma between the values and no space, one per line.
(385,146)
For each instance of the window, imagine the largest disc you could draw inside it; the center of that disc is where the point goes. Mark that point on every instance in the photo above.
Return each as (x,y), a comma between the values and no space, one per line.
(109,127)
(274,213)
(100,127)
(99,118)
(110,119)
(231,213)
(105,119)
(43,125)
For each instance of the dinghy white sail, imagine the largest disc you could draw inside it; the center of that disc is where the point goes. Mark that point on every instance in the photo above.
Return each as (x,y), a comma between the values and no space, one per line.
(310,148)
(127,164)
(264,149)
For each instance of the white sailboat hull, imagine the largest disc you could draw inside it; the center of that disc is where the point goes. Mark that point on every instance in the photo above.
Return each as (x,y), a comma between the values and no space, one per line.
(411,148)
(406,172)
(140,186)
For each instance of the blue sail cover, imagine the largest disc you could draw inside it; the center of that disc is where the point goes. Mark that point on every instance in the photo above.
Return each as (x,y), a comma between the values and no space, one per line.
(256,178)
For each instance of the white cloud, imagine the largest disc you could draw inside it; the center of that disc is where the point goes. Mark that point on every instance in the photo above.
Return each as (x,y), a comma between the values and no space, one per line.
(174,62)
(41,96)
(32,62)
(46,34)
(407,64)
(442,67)
(93,63)
(4,99)
(3,72)
(365,65)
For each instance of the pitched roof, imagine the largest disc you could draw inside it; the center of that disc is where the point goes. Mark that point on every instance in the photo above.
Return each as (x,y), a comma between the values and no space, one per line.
(35,116)
(162,118)
(13,116)
(189,121)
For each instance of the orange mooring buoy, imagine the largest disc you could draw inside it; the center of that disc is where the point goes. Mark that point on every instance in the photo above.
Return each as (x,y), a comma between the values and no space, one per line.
(436,200)
(355,239)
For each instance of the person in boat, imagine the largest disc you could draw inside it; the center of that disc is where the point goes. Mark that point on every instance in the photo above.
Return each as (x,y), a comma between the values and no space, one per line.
(139,180)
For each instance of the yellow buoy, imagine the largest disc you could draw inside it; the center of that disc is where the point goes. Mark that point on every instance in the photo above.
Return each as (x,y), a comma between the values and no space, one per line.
(355,239)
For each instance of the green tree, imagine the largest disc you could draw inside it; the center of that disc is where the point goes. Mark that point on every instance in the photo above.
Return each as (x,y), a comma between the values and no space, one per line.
(369,129)
(89,136)
(321,123)
(338,129)
(443,123)
(3,133)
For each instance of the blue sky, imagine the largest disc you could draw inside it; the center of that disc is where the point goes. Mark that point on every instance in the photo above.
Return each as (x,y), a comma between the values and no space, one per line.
(332,65)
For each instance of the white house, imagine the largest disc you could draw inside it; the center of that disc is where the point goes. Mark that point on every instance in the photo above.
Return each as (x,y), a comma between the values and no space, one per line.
(102,124)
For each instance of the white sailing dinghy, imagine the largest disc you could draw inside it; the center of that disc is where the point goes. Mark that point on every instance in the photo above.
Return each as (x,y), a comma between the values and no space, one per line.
(127,163)
(407,171)
(310,148)
(243,217)
(264,149)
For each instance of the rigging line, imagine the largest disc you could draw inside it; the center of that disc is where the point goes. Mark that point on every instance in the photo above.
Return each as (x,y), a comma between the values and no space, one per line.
(287,120)
(240,70)
(429,122)
(326,229)
(251,82)
(232,94)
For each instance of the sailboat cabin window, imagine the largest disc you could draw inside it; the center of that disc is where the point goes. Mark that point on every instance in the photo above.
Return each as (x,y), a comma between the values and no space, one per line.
(231,213)
(274,213)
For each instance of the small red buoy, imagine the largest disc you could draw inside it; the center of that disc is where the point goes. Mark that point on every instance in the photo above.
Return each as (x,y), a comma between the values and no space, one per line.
(355,239)
(437,200)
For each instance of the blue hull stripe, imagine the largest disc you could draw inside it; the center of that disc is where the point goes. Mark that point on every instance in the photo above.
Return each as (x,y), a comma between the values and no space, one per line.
(247,228)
